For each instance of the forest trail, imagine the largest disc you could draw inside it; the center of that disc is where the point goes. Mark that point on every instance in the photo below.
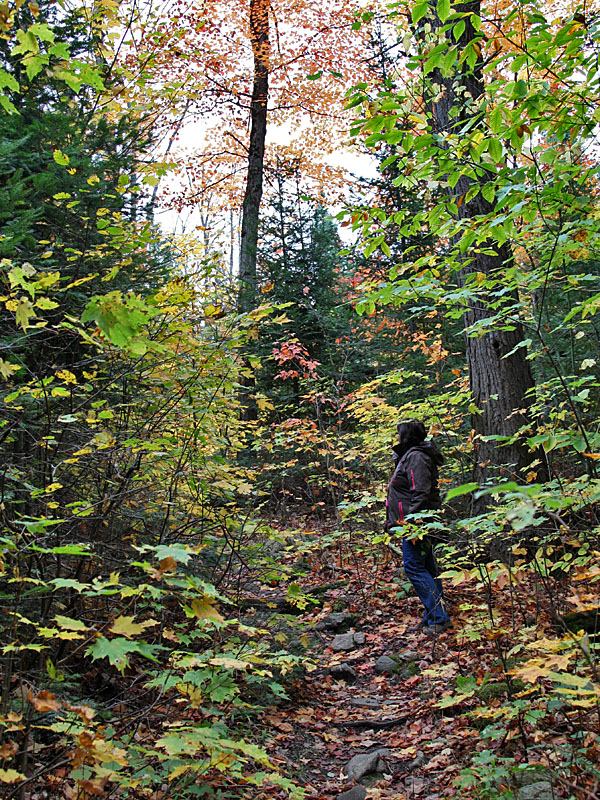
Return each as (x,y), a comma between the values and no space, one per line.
(365,721)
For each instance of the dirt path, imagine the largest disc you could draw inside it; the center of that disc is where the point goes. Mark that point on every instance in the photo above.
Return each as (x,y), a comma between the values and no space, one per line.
(332,720)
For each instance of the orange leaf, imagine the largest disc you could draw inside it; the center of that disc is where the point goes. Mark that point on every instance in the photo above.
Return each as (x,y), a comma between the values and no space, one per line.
(44,701)
(9,749)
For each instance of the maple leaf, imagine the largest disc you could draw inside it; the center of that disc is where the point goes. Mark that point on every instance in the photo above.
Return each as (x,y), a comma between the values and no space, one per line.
(116,650)
(44,701)
(24,312)
(11,776)
(533,670)
(202,608)
(127,627)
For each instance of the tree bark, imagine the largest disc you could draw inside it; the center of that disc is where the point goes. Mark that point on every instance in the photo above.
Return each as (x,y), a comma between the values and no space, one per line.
(259,36)
(500,384)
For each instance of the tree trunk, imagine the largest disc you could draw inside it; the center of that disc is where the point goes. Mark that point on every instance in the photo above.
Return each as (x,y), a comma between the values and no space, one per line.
(259,36)
(499,383)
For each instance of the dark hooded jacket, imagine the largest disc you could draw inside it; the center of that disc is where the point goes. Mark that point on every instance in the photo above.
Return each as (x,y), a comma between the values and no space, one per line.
(414,484)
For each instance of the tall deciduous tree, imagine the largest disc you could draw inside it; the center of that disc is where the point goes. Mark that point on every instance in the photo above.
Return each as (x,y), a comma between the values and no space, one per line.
(211,62)
(259,36)
(444,110)
(500,374)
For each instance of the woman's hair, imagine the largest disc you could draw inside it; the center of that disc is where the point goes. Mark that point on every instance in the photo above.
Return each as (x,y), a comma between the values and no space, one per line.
(411,431)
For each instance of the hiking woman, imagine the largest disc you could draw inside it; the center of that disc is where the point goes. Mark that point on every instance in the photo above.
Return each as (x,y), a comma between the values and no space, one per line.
(414,487)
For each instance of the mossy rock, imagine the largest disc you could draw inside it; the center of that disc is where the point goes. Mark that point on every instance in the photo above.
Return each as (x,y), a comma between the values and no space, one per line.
(493,690)
(409,669)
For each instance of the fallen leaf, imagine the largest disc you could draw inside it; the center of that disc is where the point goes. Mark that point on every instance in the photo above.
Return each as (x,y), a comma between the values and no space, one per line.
(44,701)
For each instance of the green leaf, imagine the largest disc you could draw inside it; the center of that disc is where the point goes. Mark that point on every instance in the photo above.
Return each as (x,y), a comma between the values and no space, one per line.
(70,624)
(72,81)
(42,31)
(117,651)
(458,29)
(419,11)
(495,149)
(34,65)
(489,192)
(7,81)
(7,105)
(465,488)
(69,583)
(60,50)
(443,9)
(27,43)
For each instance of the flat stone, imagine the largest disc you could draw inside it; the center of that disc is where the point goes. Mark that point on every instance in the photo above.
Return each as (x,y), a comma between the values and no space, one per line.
(365,763)
(343,642)
(365,702)
(359,638)
(356,793)
(339,621)
(343,672)
(385,664)
(541,790)
(408,655)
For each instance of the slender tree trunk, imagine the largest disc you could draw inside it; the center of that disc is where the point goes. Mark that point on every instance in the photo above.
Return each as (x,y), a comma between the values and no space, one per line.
(259,36)
(500,384)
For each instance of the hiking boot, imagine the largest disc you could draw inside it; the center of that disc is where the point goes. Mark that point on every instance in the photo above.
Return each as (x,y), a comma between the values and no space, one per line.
(437,627)
(418,627)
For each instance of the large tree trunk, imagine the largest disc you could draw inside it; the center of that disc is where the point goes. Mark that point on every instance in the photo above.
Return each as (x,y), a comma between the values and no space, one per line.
(499,383)
(259,35)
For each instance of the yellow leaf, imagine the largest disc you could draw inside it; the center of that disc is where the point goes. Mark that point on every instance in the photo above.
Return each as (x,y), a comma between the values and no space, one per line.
(11,776)
(66,376)
(103,440)
(203,609)
(229,663)
(263,404)
(532,670)
(196,696)
(7,369)
(179,770)
(125,626)
(24,312)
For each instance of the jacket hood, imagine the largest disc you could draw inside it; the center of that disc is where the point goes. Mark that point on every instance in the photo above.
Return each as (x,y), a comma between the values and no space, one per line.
(429,448)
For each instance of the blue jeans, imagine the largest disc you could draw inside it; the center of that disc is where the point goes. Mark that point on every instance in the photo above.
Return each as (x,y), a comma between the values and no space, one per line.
(421,570)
